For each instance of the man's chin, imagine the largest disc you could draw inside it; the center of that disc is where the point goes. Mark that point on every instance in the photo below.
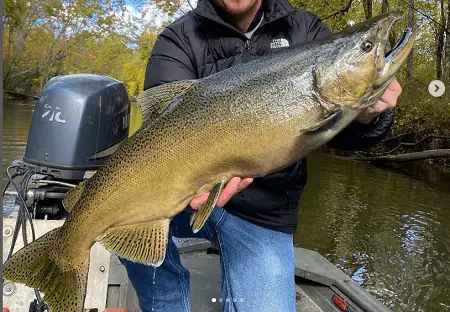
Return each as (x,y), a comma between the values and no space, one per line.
(236,7)
(237,11)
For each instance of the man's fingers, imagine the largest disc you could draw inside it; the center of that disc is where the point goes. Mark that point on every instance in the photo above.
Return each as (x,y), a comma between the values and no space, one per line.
(244,183)
(391,94)
(235,185)
(395,86)
(228,191)
(232,188)
(390,98)
(199,200)
(378,108)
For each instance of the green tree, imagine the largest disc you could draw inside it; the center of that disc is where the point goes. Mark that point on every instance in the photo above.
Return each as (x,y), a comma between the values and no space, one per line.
(40,34)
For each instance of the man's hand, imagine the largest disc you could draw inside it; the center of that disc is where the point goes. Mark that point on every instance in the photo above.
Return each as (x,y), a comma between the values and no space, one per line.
(234,186)
(388,100)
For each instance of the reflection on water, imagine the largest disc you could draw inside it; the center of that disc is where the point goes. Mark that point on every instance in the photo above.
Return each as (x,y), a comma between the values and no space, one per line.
(391,233)
(16,124)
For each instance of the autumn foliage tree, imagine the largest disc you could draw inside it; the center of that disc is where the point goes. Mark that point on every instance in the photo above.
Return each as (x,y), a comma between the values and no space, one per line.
(43,39)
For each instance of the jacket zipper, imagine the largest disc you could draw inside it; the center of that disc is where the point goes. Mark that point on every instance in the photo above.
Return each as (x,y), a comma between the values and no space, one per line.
(233,28)
(222,23)
(247,50)
(247,42)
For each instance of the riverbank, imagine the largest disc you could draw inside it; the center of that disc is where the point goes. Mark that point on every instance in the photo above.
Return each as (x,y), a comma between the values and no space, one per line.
(433,171)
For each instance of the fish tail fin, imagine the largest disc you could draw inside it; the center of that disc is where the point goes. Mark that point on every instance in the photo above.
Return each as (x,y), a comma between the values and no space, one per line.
(64,286)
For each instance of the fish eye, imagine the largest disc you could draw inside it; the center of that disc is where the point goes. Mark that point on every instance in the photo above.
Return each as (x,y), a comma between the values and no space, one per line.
(367,46)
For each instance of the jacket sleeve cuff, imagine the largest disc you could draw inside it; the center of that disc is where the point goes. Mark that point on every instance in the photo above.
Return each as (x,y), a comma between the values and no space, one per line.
(358,136)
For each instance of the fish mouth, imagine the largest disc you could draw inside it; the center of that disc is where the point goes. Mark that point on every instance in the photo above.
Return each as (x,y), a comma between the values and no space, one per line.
(392,60)
(404,39)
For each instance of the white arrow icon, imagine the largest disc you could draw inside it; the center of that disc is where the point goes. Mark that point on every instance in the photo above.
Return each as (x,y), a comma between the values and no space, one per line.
(436,88)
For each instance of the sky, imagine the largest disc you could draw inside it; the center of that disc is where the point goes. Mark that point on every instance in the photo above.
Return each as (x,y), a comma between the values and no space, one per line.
(150,13)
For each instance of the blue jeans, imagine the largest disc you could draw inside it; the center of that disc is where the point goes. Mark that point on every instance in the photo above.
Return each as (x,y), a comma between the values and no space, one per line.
(257,266)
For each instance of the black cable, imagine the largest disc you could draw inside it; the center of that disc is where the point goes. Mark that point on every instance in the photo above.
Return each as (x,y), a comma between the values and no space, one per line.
(19,215)
(38,296)
(24,230)
(22,200)
(23,210)
(15,234)
(410,75)
(23,189)
(9,182)
(18,219)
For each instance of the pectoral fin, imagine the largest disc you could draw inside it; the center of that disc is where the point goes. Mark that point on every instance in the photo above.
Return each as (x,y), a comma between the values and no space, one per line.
(144,242)
(199,217)
(328,122)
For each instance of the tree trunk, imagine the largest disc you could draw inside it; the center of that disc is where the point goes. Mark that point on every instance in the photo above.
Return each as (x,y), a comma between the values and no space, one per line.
(19,35)
(368,8)
(440,40)
(408,157)
(385,9)
(384,6)
(446,58)
(410,61)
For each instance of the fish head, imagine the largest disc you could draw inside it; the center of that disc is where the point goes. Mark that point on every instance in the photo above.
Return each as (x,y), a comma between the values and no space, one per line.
(358,68)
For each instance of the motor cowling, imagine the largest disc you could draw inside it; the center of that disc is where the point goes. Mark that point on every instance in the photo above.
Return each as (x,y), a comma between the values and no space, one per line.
(78,121)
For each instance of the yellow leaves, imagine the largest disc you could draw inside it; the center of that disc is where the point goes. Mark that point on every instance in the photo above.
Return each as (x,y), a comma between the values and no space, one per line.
(43,39)
(112,56)
(133,73)
(146,40)
(169,6)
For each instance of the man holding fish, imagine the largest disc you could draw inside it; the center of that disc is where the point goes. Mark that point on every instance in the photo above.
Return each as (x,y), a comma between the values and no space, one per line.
(253,230)
(208,129)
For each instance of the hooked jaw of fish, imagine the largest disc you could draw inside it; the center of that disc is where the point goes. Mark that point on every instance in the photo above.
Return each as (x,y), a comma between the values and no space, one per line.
(359,68)
(388,65)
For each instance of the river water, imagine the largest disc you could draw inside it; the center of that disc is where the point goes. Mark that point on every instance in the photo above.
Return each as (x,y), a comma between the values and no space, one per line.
(388,231)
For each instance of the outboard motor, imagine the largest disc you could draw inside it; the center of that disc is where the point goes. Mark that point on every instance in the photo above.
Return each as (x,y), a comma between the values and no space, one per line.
(79,120)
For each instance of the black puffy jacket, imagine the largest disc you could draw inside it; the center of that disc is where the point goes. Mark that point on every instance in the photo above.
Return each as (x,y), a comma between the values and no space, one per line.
(200,44)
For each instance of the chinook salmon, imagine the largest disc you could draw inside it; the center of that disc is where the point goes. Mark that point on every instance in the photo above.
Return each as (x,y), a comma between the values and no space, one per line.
(247,121)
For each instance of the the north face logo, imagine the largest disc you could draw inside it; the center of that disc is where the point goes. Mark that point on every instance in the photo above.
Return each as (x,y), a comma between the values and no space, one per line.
(279,43)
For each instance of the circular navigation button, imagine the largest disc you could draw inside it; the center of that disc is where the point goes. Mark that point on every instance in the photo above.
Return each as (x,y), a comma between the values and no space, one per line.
(436,88)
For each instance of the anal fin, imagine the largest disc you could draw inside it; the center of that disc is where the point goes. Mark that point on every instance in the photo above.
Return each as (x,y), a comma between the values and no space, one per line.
(143,242)
(199,217)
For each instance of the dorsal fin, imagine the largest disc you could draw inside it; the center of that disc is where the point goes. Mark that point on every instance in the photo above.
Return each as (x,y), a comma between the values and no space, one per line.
(155,100)
(73,196)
